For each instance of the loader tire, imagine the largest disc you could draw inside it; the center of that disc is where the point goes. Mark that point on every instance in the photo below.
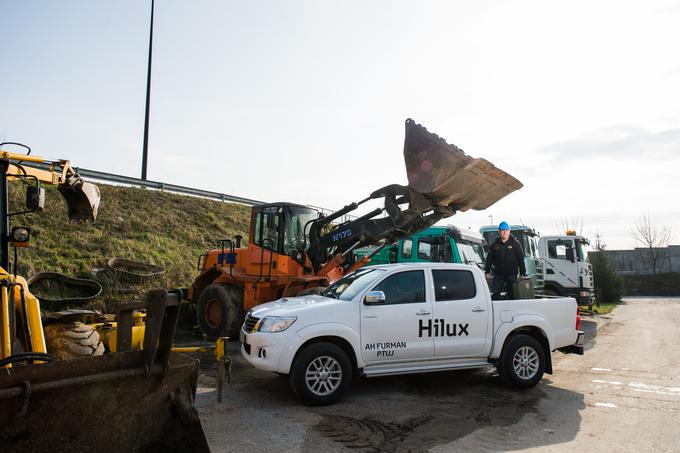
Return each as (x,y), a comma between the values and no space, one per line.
(72,340)
(219,311)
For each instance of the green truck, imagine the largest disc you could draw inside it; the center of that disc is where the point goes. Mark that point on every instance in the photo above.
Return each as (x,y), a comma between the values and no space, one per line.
(529,240)
(439,244)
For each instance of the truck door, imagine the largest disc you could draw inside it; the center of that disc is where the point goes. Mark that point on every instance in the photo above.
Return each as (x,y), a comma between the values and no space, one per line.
(391,331)
(460,314)
(561,263)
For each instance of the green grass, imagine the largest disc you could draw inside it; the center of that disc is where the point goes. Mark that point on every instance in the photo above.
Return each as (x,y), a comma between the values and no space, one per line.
(604,308)
(155,227)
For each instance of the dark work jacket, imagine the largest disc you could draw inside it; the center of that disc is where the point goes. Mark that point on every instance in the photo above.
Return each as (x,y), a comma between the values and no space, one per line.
(506,258)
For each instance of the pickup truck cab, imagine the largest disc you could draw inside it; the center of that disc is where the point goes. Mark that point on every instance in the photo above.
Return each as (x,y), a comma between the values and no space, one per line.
(406,318)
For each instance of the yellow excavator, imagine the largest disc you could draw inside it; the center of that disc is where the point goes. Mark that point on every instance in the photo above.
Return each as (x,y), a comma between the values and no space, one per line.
(130,400)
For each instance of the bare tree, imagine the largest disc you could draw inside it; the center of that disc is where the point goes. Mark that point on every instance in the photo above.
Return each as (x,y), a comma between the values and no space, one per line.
(565,223)
(599,243)
(654,240)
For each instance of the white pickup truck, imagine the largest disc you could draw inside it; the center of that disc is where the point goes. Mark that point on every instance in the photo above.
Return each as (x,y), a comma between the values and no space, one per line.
(406,318)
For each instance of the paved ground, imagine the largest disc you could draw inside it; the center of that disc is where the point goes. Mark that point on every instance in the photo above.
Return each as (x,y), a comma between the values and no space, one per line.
(623,395)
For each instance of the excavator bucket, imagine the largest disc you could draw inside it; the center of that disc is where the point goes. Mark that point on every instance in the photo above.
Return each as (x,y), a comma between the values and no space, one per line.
(82,199)
(446,176)
(137,401)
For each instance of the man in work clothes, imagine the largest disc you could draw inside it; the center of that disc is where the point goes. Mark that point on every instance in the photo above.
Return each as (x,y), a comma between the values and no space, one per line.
(507,258)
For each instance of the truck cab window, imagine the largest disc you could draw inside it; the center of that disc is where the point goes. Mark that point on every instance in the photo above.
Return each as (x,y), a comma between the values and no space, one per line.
(403,288)
(453,285)
(561,249)
(471,253)
(406,248)
(435,249)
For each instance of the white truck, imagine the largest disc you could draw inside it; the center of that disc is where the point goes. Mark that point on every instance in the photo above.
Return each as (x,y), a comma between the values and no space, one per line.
(406,318)
(568,272)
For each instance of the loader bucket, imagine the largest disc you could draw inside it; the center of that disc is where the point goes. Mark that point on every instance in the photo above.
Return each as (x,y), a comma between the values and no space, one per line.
(82,199)
(102,403)
(446,176)
(138,401)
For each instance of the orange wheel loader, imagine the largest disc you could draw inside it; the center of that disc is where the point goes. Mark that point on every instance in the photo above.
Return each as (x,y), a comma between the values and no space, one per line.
(296,250)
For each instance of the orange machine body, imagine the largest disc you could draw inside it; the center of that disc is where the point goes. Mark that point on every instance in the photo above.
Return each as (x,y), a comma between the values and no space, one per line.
(265,269)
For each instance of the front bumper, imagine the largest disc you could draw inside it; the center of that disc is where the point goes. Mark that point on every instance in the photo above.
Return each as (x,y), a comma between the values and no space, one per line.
(270,351)
(576,348)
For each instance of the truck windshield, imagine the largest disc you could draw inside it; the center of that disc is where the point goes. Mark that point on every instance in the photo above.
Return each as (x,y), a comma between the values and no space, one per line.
(471,252)
(582,252)
(352,284)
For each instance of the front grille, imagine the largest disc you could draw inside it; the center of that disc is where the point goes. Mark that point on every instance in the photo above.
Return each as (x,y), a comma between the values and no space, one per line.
(250,323)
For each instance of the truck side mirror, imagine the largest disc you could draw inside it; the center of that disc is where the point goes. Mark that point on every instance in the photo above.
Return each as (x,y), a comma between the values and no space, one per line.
(374,298)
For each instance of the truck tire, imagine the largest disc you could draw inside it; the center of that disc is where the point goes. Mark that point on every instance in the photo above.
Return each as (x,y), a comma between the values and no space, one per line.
(522,362)
(72,340)
(219,311)
(321,374)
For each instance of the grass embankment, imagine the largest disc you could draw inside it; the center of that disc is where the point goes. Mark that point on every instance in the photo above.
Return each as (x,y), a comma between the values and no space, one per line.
(154,227)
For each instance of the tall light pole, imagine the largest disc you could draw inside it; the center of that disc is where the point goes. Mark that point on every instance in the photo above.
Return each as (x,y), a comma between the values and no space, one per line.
(145,148)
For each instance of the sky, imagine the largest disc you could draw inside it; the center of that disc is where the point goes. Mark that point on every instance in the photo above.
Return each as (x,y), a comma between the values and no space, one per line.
(305,101)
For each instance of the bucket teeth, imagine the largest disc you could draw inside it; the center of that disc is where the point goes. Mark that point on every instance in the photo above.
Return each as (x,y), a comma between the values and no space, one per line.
(446,176)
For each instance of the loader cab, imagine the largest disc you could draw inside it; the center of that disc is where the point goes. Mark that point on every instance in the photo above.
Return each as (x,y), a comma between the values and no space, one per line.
(282,227)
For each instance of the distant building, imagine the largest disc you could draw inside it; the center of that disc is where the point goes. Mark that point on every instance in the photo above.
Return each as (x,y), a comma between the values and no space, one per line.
(638,262)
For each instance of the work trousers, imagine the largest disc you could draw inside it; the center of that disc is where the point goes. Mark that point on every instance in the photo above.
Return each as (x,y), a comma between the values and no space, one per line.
(500,283)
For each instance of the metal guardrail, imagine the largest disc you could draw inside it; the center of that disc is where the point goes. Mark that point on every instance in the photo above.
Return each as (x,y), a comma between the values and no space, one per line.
(127,180)
(130,181)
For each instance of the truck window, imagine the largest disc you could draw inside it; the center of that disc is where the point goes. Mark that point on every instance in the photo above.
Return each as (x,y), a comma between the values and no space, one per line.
(403,288)
(435,249)
(453,285)
(471,252)
(582,252)
(560,249)
(406,248)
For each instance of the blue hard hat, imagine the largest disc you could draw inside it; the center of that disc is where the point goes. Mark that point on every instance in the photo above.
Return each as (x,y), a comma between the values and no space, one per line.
(503,226)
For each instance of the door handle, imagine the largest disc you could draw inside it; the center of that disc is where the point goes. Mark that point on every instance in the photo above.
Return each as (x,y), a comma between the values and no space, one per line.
(478,309)
(422,313)
(370,316)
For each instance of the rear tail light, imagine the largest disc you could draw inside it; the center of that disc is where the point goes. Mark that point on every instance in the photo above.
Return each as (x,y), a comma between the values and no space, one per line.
(578,318)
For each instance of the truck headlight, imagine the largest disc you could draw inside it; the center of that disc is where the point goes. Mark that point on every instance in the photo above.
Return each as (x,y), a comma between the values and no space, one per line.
(585,293)
(276,323)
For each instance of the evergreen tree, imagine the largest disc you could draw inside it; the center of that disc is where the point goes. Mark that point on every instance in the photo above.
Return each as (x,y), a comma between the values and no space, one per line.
(608,284)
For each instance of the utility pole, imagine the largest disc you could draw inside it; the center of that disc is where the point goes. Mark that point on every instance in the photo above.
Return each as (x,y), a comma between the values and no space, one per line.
(491,219)
(145,149)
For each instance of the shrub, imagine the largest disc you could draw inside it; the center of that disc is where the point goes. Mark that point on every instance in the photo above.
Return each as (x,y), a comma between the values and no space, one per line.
(608,284)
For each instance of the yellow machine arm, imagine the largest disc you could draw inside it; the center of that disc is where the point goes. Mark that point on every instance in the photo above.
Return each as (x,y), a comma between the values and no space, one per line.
(82,198)
(18,307)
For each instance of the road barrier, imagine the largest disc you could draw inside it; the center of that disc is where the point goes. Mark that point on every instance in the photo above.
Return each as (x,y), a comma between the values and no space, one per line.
(130,181)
